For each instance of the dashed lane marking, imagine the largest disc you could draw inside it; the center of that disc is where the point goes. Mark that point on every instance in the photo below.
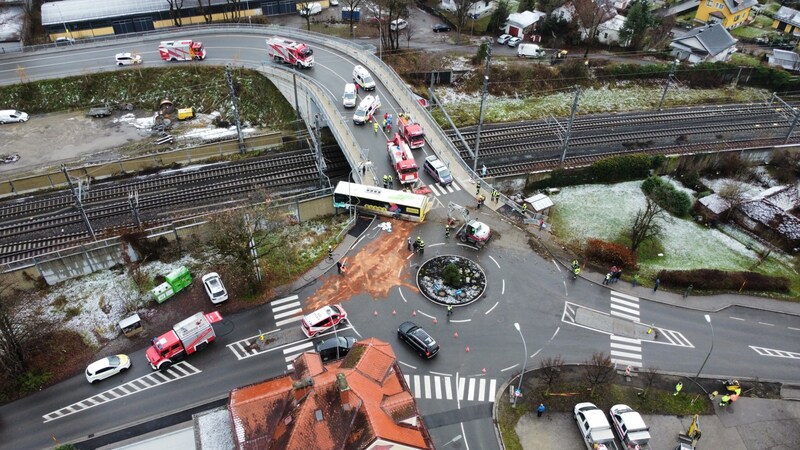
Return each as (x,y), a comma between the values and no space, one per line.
(153,379)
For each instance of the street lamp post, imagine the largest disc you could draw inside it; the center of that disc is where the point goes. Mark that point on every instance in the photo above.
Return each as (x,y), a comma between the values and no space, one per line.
(708,319)
(524,361)
(380,38)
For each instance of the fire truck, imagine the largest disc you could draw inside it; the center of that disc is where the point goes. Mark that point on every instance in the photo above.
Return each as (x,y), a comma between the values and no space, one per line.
(290,52)
(411,131)
(186,337)
(186,50)
(402,160)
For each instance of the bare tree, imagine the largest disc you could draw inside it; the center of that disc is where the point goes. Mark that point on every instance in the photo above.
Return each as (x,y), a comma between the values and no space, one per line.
(648,377)
(733,193)
(394,9)
(20,327)
(591,13)
(175,12)
(461,13)
(234,8)
(305,11)
(645,224)
(598,371)
(205,10)
(549,372)
(352,4)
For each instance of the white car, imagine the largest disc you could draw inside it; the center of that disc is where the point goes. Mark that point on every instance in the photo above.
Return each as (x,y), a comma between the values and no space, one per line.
(323,319)
(13,116)
(398,25)
(513,42)
(630,426)
(214,288)
(310,9)
(349,97)
(125,59)
(367,108)
(503,39)
(107,367)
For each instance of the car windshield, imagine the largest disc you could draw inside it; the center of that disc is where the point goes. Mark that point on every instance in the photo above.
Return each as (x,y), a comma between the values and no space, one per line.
(444,173)
(335,309)
(113,360)
(368,80)
(361,111)
(349,95)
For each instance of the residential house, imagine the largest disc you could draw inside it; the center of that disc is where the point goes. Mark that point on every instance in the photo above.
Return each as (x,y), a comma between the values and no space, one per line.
(787,20)
(565,11)
(359,402)
(709,43)
(783,58)
(540,204)
(477,9)
(773,215)
(730,13)
(608,32)
(523,24)
(712,208)
(12,23)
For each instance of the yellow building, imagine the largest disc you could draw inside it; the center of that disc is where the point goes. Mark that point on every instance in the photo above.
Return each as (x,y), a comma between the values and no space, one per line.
(787,20)
(730,13)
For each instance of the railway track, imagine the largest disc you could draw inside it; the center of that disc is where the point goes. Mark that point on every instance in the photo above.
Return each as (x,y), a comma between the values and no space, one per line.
(53,223)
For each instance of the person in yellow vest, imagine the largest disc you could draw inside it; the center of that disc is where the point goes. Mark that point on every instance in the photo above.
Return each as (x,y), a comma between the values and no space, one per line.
(678,388)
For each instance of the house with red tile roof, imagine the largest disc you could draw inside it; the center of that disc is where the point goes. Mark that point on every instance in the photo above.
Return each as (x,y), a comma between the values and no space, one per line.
(359,402)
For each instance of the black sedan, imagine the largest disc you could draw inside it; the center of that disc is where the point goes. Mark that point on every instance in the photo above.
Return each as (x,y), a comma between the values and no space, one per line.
(418,339)
(441,28)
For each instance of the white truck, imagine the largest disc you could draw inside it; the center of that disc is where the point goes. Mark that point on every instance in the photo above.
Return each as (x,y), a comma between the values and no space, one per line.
(596,432)
(630,427)
(183,50)
(530,51)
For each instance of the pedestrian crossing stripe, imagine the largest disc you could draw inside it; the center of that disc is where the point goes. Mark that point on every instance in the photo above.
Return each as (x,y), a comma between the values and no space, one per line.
(624,306)
(673,337)
(763,351)
(439,190)
(467,389)
(632,354)
(153,379)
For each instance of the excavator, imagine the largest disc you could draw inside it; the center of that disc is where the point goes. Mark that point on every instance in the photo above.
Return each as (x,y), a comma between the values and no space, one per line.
(472,231)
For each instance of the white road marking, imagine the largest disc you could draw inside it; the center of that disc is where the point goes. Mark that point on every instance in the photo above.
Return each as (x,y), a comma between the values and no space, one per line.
(537,352)
(448,391)
(509,368)
(626,347)
(442,374)
(283,322)
(503,290)
(623,362)
(426,315)
(288,313)
(471,390)
(495,261)
(416,386)
(492,389)
(735,318)
(626,354)
(461,321)
(633,305)
(624,309)
(767,324)
(557,266)
(437,387)
(401,295)
(481,389)
(793,328)
(284,300)
(286,306)
(625,316)
(493,307)
(625,339)
(427,387)
(288,350)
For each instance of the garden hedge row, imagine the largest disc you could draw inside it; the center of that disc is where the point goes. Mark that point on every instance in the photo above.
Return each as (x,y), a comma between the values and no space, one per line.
(610,254)
(712,279)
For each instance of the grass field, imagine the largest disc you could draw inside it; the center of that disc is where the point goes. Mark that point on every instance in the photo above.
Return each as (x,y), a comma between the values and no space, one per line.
(745,60)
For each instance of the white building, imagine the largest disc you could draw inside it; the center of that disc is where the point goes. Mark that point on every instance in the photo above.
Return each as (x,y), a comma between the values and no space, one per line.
(783,58)
(477,9)
(12,22)
(709,43)
(608,32)
(524,23)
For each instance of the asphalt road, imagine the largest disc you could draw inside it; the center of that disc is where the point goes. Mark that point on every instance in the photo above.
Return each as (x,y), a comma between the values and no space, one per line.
(523,288)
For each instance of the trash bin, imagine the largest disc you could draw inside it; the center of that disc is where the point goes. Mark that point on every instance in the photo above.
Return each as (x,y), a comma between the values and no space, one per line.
(162,292)
(131,326)
(179,279)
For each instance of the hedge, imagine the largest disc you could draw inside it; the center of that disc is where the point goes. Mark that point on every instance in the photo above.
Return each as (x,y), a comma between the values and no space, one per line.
(666,196)
(712,279)
(609,170)
(610,254)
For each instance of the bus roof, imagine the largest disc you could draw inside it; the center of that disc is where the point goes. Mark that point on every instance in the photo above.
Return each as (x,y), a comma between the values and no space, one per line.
(381,194)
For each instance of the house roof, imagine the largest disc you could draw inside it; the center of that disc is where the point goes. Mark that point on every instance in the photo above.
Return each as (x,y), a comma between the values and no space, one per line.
(711,39)
(740,5)
(772,209)
(788,15)
(715,203)
(539,202)
(353,403)
(615,23)
(785,55)
(526,18)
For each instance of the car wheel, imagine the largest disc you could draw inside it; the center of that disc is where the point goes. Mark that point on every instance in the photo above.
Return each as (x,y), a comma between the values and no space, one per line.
(93,382)
(164,367)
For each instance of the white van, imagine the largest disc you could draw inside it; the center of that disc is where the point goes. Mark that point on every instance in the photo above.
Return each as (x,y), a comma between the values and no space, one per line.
(12,116)
(349,97)
(363,78)
(310,9)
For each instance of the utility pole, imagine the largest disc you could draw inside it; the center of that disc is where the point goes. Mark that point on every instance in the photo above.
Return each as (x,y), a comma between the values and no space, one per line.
(791,128)
(483,104)
(296,105)
(318,150)
(133,201)
(430,92)
(666,86)
(569,125)
(77,196)
(235,104)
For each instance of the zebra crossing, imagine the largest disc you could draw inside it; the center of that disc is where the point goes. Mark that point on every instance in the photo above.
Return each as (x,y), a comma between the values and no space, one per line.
(176,372)
(287,310)
(763,351)
(439,190)
(672,337)
(626,351)
(443,387)
(625,306)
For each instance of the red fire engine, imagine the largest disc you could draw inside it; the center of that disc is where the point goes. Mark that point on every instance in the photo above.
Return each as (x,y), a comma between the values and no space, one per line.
(411,131)
(186,50)
(402,160)
(290,52)
(186,337)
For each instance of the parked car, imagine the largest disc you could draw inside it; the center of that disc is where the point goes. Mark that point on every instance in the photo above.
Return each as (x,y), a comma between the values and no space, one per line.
(214,288)
(594,426)
(441,28)
(323,319)
(349,97)
(13,116)
(64,41)
(398,24)
(338,347)
(438,170)
(310,9)
(368,106)
(630,426)
(107,367)
(126,59)
(513,42)
(503,39)
(418,339)
(333,2)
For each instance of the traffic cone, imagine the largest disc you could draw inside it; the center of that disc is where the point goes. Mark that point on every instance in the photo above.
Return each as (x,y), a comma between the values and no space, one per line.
(455,335)
(467,349)
(414,313)
(484,370)
(394,313)
(376,313)
(435,321)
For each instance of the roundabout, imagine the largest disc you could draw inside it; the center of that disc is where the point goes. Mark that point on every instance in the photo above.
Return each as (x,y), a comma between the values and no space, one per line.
(451,280)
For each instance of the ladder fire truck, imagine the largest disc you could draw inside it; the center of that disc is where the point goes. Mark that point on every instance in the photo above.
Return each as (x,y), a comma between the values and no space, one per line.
(411,131)
(402,160)
(185,50)
(290,52)
(186,337)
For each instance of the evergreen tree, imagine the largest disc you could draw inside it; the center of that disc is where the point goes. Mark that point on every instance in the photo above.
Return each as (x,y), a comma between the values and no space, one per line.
(526,5)
(639,21)
(499,16)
